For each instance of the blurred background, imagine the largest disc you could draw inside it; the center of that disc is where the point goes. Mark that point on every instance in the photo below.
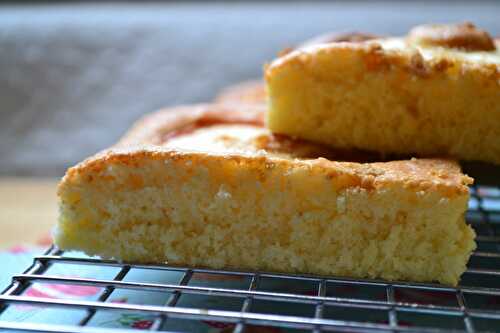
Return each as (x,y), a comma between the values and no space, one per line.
(75,75)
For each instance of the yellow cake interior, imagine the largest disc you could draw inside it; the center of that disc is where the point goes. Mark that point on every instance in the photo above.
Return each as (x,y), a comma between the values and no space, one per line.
(235,196)
(391,96)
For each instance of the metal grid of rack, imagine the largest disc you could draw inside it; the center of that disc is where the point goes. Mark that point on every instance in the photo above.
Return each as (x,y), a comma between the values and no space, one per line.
(336,303)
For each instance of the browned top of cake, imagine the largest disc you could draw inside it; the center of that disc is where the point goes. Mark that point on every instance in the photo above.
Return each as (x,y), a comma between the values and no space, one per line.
(236,133)
(464,36)
(337,37)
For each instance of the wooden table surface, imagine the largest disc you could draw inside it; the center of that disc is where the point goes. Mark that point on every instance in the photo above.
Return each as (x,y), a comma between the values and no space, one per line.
(28,210)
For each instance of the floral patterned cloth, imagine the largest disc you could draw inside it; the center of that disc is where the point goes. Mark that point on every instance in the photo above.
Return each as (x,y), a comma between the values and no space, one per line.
(17,259)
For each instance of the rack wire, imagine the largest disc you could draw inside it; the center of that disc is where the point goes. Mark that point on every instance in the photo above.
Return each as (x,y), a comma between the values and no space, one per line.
(281,302)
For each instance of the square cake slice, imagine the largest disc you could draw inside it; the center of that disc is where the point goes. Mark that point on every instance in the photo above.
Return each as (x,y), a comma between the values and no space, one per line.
(209,186)
(435,92)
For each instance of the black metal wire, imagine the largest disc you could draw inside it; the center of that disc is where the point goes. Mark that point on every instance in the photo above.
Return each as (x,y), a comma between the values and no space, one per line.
(240,327)
(391,305)
(318,312)
(105,294)
(172,301)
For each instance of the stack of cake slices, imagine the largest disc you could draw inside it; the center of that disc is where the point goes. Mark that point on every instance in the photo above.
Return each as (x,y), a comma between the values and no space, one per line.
(341,164)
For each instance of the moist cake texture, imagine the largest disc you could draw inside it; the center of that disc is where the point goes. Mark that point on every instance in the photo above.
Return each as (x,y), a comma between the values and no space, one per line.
(210,186)
(434,93)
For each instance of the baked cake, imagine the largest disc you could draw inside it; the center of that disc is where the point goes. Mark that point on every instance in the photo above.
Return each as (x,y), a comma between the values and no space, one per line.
(209,186)
(254,91)
(435,92)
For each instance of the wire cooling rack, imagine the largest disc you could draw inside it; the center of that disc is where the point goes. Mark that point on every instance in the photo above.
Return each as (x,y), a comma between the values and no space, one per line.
(266,302)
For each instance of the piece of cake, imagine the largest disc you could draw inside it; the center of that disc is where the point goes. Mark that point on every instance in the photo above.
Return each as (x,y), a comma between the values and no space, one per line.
(254,91)
(434,93)
(209,186)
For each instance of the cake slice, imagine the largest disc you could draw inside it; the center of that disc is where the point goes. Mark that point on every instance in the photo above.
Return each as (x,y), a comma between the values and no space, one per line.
(209,186)
(434,93)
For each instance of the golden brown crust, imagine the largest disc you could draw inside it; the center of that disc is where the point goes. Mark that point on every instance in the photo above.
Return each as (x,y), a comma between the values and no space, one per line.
(143,143)
(337,37)
(464,36)
(377,58)
(333,37)
(155,128)
(433,175)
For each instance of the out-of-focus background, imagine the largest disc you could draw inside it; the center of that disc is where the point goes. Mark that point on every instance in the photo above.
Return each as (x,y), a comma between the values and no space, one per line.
(75,75)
